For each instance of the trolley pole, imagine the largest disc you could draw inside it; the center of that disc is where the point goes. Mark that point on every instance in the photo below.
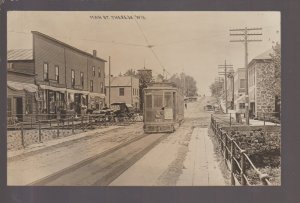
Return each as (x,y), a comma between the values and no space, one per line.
(245,33)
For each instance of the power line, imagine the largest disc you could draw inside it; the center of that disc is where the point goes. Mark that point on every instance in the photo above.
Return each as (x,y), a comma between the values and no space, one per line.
(246,33)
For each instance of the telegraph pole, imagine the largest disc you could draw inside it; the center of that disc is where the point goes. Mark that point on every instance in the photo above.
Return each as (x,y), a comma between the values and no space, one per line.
(225,68)
(245,33)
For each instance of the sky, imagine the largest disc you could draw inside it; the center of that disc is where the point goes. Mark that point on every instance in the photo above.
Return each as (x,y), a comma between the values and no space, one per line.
(193,42)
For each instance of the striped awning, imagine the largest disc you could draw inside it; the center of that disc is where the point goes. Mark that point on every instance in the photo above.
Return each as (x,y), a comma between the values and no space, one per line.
(18,86)
(56,89)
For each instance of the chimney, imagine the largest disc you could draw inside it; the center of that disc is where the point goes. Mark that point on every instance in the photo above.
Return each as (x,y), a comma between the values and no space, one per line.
(94,53)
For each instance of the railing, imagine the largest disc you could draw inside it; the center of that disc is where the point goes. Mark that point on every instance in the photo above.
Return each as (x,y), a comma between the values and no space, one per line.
(240,118)
(236,159)
(61,123)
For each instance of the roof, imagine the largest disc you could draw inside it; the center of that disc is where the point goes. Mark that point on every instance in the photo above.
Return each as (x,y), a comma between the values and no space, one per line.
(121,81)
(66,45)
(265,55)
(19,55)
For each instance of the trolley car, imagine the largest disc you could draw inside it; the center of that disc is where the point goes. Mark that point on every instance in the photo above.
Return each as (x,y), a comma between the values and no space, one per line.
(163,107)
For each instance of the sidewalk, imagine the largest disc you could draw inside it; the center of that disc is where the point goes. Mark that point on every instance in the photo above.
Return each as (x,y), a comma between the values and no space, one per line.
(39,146)
(201,167)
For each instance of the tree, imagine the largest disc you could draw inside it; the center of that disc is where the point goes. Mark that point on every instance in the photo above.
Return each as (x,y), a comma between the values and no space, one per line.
(276,62)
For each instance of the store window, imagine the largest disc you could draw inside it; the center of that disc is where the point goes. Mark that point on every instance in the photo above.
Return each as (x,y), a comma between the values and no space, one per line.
(121,92)
(242,105)
(9,110)
(46,72)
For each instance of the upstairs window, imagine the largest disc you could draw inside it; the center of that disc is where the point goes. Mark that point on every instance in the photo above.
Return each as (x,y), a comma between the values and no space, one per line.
(57,73)
(101,87)
(46,72)
(81,79)
(99,72)
(121,92)
(94,72)
(73,78)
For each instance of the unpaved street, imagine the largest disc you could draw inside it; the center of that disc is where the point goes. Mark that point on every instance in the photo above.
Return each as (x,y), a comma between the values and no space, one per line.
(124,156)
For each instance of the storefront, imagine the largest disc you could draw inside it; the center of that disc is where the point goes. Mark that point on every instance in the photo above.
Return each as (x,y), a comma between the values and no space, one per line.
(77,101)
(96,101)
(21,102)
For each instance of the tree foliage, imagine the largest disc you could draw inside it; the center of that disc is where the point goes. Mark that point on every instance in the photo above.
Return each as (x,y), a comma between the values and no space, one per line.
(276,61)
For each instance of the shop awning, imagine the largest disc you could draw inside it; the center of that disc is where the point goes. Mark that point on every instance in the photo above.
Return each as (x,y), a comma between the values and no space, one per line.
(94,94)
(56,89)
(22,86)
(78,91)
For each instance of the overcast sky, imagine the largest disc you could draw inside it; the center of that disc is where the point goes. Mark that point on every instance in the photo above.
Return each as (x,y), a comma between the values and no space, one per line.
(193,42)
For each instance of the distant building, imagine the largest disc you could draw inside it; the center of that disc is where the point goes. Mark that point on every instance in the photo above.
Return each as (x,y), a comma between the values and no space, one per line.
(123,89)
(261,80)
(239,90)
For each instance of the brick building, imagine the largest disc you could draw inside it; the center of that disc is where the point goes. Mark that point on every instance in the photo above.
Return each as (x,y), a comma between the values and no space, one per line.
(67,77)
(261,80)
(123,89)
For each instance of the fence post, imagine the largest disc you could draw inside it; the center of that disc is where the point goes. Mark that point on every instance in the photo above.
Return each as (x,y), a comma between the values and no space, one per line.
(57,127)
(243,164)
(72,124)
(31,122)
(225,148)
(264,119)
(81,120)
(40,132)
(50,121)
(230,120)
(22,135)
(232,162)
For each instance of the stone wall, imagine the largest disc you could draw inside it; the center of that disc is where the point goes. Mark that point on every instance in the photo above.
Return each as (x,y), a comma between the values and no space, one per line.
(14,137)
(265,95)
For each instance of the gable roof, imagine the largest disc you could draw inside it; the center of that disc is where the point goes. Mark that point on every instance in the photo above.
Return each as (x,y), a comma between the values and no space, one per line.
(19,55)
(265,55)
(66,45)
(120,81)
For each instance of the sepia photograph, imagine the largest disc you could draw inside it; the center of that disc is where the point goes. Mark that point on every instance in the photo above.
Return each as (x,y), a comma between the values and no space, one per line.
(143,98)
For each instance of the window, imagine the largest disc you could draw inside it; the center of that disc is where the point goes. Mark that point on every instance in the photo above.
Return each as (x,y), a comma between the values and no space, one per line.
(94,72)
(242,83)
(105,91)
(57,73)
(9,113)
(121,91)
(158,100)
(73,78)
(101,87)
(81,79)
(99,72)
(91,86)
(46,72)
(242,105)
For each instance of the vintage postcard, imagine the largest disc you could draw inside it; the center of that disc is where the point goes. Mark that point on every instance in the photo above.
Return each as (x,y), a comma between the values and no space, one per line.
(143,98)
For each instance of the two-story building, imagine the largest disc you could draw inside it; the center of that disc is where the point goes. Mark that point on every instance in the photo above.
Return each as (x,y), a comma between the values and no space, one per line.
(21,90)
(67,77)
(123,89)
(239,89)
(261,80)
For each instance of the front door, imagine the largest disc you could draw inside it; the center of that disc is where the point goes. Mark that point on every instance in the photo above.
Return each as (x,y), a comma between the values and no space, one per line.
(19,108)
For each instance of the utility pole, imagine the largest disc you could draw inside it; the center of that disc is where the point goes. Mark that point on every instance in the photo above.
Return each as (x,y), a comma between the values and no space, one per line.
(109,75)
(224,72)
(245,33)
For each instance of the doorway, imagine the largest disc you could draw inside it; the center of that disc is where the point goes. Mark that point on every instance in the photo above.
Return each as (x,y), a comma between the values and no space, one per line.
(19,108)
